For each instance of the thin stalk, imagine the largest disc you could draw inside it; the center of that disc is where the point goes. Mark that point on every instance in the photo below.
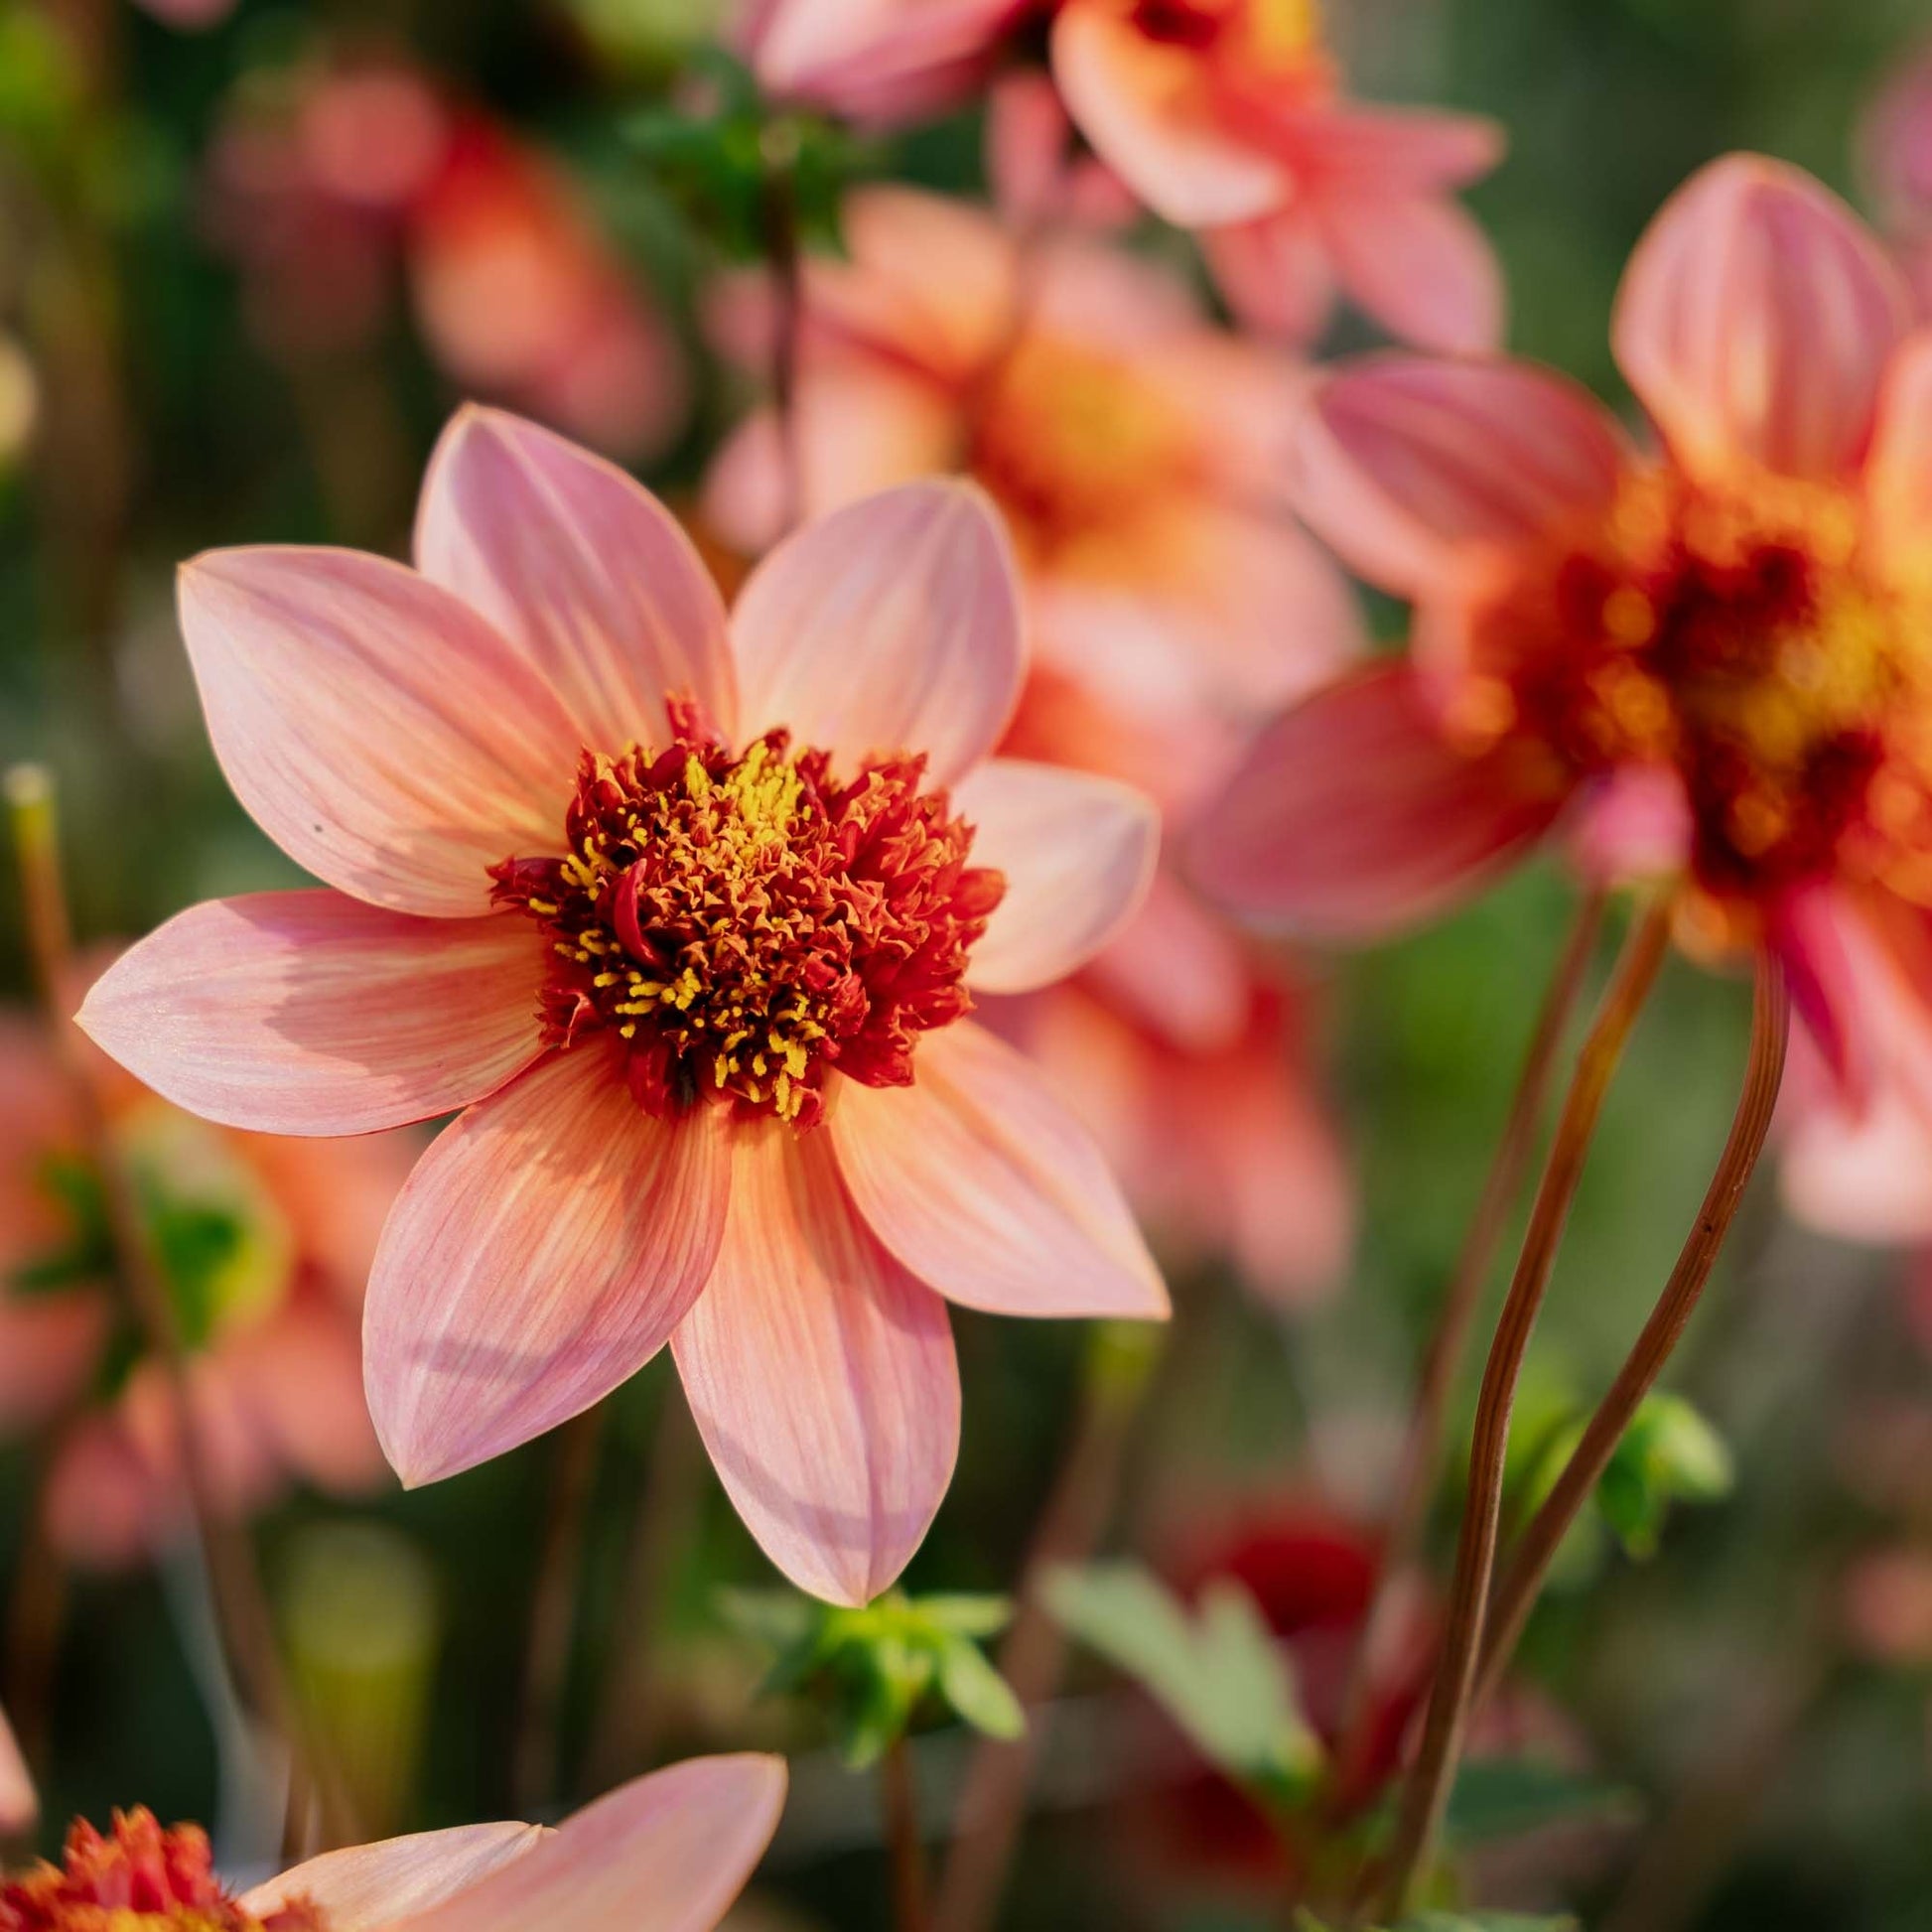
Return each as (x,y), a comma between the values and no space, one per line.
(35,1618)
(538,1765)
(1422,1450)
(245,1624)
(1529,1562)
(992,1804)
(779,215)
(898,1794)
(1425,1791)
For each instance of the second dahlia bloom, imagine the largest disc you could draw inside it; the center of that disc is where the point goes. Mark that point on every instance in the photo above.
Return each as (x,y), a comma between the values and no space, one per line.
(684,912)
(668,1853)
(1706,661)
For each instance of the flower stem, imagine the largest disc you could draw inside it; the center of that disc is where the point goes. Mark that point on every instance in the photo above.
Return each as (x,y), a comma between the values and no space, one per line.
(779,214)
(992,1806)
(1425,1791)
(1529,1562)
(538,1765)
(1422,1450)
(899,1791)
(242,1616)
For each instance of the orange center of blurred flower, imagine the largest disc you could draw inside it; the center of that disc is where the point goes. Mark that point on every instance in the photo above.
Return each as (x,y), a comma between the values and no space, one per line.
(1250,44)
(137,1878)
(1082,453)
(1746,643)
(745,922)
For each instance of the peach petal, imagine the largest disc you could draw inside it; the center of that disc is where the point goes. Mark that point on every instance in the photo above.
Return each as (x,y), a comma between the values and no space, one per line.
(541,1253)
(891,625)
(1146,110)
(19,1803)
(1419,263)
(314,1013)
(300,1378)
(1274,273)
(582,569)
(1755,320)
(1862,1175)
(987,1187)
(1352,817)
(1078,854)
(374,725)
(1405,464)
(667,1853)
(367,1887)
(821,1375)
(1898,475)
(49,1347)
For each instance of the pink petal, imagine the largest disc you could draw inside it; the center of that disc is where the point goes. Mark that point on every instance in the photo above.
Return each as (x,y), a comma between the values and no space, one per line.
(1419,263)
(373,726)
(1352,817)
(49,1346)
(1898,475)
(300,1378)
(1275,274)
(1859,1174)
(984,1184)
(1405,464)
(1146,107)
(891,625)
(19,1804)
(1755,321)
(821,1375)
(314,1013)
(1078,853)
(1395,147)
(541,1253)
(370,1888)
(668,1853)
(580,567)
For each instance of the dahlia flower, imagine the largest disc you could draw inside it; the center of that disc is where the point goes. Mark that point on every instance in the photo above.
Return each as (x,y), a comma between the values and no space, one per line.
(1703,660)
(684,913)
(668,1853)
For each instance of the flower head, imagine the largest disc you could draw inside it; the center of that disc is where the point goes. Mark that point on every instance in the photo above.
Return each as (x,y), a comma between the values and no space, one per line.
(687,913)
(1706,659)
(675,1848)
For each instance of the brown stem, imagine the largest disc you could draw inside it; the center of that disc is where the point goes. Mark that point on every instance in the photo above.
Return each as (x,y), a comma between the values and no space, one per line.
(992,1803)
(631,1714)
(553,1611)
(35,1616)
(778,211)
(1529,1562)
(898,1793)
(244,1621)
(1425,1791)
(1422,1450)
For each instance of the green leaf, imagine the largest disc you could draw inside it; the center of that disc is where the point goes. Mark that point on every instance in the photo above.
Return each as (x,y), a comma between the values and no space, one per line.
(1219,1672)
(1502,1798)
(975,1616)
(1668,1454)
(977,1693)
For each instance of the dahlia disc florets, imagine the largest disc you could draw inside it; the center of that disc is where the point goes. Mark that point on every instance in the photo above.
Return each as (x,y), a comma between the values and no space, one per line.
(743,922)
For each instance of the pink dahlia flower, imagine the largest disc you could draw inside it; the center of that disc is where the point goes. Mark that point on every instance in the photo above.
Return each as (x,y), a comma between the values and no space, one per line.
(1228,116)
(1705,659)
(683,911)
(263,1246)
(668,1853)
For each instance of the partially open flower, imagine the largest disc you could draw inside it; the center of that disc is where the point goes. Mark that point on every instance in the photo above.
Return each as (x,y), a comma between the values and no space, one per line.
(671,1850)
(1708,661)
(688,916)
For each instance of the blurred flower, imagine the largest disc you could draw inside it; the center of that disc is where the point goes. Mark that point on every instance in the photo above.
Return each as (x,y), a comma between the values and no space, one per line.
(1228,116)
(1170,598)
(265,1247)
(189,15)
(879,63)
(1032,165)
(676,1847)
(326,178)
(1896,150)
(649,973)
(19,1804)
(1706,659)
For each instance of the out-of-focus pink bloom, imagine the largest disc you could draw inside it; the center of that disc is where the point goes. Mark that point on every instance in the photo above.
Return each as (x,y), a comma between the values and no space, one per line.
(19,1803)
(1733,620)
(327,183)
(191,16)
(878,62)
(1228,116)
(1036,177)
(265,1248)
(1896,150)
(1887,1604)
(1136,453)
(684,911)
(670,1850)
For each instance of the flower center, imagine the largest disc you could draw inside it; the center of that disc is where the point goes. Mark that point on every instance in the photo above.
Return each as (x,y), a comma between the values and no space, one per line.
(1271,35)
(138,1878)
(1081,452)
(745,923)
(1748,644)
